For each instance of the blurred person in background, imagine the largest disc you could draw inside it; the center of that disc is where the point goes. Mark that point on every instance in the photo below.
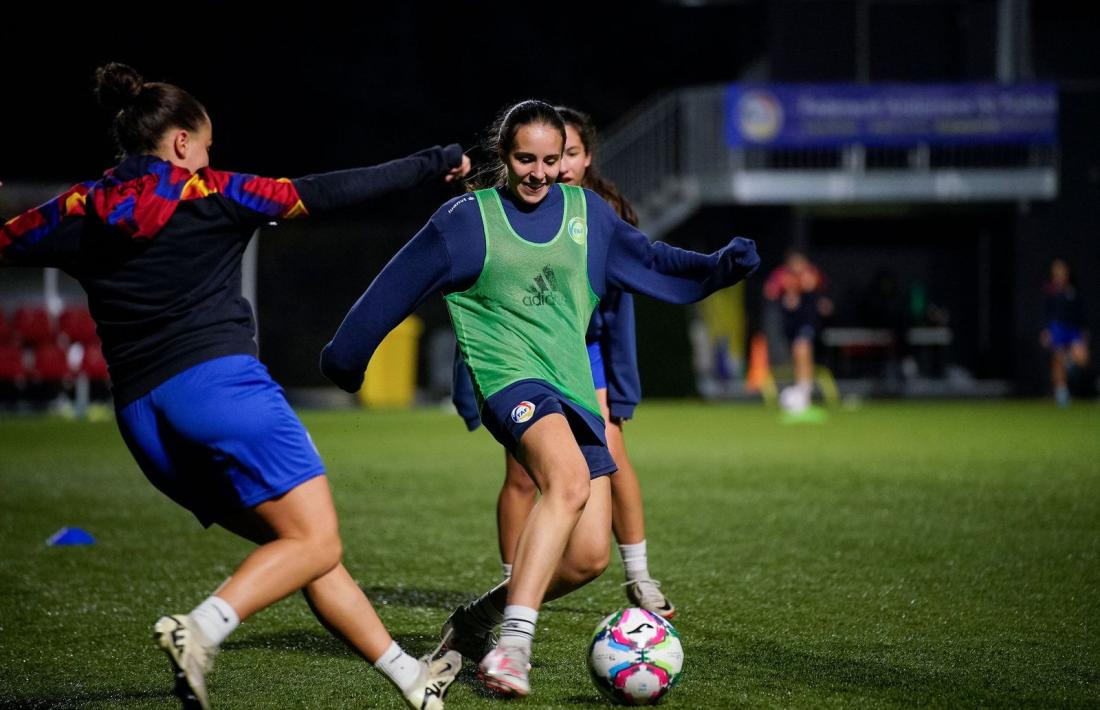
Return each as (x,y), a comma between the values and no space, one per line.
(1064,334)
(798,288)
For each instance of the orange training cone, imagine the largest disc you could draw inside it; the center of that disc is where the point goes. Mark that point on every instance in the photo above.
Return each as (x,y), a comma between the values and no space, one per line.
(759,372)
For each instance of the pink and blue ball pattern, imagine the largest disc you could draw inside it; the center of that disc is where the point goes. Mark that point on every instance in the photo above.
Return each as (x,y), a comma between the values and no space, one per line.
(635,657)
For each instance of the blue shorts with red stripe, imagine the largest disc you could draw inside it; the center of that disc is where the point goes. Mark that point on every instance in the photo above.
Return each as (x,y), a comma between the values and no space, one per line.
(219,437)
(509,413)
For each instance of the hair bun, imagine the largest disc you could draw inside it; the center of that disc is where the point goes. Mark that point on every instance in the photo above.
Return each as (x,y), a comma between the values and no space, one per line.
(117,86)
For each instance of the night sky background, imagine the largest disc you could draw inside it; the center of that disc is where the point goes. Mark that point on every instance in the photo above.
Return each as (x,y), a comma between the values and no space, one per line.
(302,89)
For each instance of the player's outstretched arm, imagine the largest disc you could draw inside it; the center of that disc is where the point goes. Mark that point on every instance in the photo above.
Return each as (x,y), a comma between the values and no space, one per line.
(47,235)
(345,188)
(665,272)
(421,268)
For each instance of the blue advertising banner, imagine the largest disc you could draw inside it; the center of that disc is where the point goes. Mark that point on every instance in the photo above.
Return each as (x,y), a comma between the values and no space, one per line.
(834,115)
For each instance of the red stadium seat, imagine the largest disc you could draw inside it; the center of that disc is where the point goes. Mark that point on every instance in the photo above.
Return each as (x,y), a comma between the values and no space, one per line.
(11,363)
(33,326)
(94,365)
(13,373)
(51,364)
(77,323)
(5,328)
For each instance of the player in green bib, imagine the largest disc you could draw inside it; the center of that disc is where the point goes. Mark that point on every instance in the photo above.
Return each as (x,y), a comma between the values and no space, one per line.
(506,339)
(522,266)
(612,359)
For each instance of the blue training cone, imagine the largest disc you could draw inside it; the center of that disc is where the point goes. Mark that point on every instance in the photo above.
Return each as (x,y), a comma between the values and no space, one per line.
(71,536)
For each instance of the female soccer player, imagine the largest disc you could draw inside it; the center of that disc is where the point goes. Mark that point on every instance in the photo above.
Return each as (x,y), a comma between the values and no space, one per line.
(157,244)
(1065,333)
(614,363)
(799,287)
(522,266)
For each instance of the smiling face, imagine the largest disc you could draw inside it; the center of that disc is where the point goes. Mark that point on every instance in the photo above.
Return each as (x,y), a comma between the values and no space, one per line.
(533,161)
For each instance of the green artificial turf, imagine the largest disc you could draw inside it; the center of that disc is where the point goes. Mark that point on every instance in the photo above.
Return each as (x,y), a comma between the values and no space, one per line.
(898,555)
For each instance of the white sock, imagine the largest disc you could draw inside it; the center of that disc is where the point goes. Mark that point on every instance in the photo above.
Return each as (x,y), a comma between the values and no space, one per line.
(635,561)
(807,387)
(215,618)
(399,667)
(518,628)
(506,568)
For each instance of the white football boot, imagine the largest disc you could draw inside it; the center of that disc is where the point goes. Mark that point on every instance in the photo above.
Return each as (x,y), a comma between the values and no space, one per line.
(646,594)
(436,676)
(192,657)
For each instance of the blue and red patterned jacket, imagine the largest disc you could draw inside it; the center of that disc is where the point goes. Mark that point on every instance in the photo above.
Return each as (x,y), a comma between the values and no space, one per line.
(158,250)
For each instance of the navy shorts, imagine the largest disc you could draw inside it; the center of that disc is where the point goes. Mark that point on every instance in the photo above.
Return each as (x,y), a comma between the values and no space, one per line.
(1064,336)
(508,414)
(803,322)
(595,359)
(219,437)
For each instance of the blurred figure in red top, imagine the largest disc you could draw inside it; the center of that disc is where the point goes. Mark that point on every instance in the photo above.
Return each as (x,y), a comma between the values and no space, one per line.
(798,287)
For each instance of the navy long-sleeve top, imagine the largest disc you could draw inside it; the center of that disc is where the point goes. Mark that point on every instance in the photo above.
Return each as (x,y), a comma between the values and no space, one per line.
(612,327)
(158,251)
(1063,306)
(448,253)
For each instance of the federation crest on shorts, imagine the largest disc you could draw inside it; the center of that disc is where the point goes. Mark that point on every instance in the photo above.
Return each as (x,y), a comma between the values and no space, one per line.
(578,229)
(523,412)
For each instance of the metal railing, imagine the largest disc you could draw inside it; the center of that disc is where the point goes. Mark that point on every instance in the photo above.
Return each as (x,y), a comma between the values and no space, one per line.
(671,156)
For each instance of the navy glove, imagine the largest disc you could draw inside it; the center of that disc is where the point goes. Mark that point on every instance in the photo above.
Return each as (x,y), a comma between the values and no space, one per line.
(744,261)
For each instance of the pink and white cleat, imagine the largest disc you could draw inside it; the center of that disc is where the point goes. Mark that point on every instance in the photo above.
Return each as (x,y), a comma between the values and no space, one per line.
(504,669)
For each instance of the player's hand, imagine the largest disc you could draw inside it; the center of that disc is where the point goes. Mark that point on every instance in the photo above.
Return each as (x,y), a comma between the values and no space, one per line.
(743,253)
(459,172)
(349,380)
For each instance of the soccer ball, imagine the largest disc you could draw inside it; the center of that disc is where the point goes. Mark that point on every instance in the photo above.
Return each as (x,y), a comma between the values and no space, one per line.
(635,657)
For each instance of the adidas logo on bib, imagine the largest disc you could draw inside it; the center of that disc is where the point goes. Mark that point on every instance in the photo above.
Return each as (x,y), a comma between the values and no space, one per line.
(544,291)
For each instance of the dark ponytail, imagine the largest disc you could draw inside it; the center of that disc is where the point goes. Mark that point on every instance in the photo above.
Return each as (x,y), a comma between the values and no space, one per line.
(142,112)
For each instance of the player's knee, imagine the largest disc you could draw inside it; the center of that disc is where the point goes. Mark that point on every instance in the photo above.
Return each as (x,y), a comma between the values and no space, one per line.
(594,564)
(572,492)
(586,565)
(333,553)
(326,549)
(522,487)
